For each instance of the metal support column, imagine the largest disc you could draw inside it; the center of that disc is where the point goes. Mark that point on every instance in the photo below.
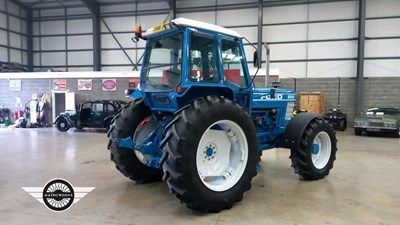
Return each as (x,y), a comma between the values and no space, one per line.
(172,7)
(29,32)
(94,8)
(260,30)
(360,56)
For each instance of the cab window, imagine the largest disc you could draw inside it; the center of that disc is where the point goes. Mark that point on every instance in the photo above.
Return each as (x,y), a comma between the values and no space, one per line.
(203,59)
(233,62)
(97,107)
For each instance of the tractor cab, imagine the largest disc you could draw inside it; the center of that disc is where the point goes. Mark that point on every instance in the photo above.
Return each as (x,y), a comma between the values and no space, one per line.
(190,58)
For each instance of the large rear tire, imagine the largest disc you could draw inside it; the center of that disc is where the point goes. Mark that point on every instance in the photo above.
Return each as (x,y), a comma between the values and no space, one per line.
(126,161)
(317,151)
(210,154)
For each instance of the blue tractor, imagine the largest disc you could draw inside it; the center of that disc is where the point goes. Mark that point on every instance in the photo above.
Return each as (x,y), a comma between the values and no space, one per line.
(198,122)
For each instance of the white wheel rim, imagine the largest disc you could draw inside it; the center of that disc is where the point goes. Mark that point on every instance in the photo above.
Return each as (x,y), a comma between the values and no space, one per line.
(321,150)
(62,125)
(222,155)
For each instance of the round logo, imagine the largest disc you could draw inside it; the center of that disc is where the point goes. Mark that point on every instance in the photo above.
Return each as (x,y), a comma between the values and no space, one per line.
(109,84)
(58,195)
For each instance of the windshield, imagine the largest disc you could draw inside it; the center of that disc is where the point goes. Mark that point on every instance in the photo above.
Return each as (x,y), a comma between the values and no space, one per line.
(162,64)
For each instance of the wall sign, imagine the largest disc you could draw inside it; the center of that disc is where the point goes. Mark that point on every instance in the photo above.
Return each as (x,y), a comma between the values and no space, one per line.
(60,84)
(109,85)
(15,85)
(85,84)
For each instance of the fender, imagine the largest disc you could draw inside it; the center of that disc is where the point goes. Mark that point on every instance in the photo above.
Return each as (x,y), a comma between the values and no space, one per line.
(295,129)
(70,122)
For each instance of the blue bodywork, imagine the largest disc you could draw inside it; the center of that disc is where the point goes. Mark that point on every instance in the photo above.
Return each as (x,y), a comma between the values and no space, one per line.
(269,108)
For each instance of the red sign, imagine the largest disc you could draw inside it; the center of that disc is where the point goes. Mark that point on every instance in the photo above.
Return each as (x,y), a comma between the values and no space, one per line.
(109,85)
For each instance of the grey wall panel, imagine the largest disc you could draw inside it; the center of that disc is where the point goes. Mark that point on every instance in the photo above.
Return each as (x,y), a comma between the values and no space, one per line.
(24,43)
(52,27)
(125,40)
(79,26)
(292,69)
(288,51)
(249,51)
(24,27)
(285,33)
(52,12)
(80,42)
(15,23)
(339,49)
(15,40)
(53,43)
(80,58)
(3,37)
(383,8)
(382,48)
(77,11)
(347,29)
(237,17)
(116,68)
(35,28)
(12,8)
(331,69)
(3,54)
(381,68)
(15,56)
(194,3)
(3,20)
(249,32)
(229,2)
(36,43)
(117,8)
(152,5)
(113,57)
(79,69)
(119,24)
(285,14)
(3,5)
(382,28)
(53,58)
(107,41)
(36,59)
(335,10)
(208,17)
(24,58)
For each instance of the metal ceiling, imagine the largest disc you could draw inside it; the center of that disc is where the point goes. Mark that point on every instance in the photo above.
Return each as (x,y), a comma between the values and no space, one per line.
(48,4)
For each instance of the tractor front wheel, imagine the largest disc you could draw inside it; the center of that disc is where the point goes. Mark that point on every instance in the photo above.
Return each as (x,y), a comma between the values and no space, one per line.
(126,160)
(314,157)
(210,154)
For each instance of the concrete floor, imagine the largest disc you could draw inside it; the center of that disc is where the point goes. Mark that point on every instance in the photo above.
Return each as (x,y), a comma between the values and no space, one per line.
(363,187)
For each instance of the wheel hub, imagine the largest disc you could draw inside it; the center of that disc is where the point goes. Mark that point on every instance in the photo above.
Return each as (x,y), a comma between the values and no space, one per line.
(315,149)
(321,150)
(222,155)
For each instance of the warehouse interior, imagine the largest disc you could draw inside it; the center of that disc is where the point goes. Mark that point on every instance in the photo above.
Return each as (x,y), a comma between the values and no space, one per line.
(345,52)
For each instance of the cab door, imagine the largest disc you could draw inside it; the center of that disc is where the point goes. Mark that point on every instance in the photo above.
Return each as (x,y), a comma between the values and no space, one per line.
(97,114)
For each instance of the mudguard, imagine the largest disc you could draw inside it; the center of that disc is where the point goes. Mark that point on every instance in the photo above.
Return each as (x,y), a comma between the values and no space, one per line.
(70,122)
(295,129)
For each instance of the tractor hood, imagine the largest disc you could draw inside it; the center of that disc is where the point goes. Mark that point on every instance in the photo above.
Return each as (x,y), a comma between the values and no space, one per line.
(269,93)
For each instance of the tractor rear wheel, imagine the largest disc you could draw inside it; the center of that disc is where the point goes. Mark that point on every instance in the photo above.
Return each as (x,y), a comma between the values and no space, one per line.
(126,160)
(210,154)
(314,158)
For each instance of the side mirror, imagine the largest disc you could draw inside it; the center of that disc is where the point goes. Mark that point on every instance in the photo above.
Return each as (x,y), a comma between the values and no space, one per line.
(256,62)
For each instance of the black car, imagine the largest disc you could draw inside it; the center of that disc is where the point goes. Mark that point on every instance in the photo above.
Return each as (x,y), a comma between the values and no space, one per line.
(94,114)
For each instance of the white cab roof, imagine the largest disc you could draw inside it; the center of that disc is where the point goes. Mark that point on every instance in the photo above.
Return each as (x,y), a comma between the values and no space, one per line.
(197,24)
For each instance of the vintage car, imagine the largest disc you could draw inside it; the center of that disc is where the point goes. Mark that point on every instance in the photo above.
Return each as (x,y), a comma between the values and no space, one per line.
(382,120)
(93,114)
